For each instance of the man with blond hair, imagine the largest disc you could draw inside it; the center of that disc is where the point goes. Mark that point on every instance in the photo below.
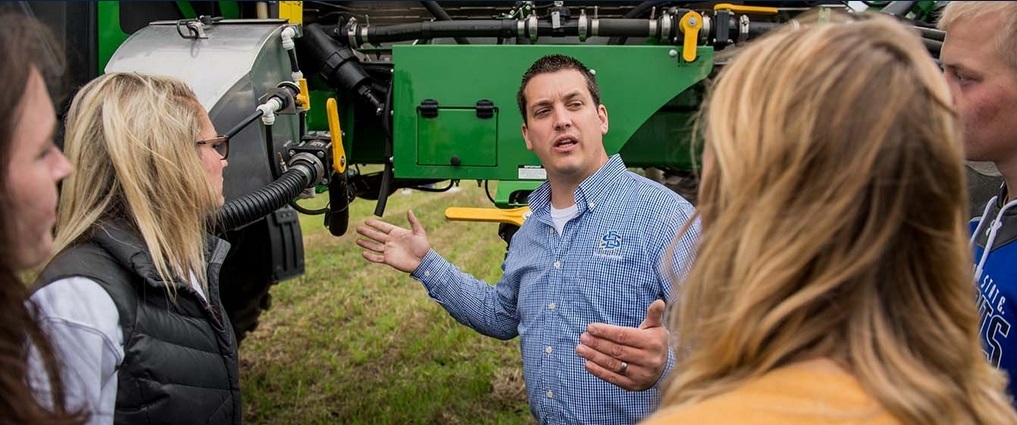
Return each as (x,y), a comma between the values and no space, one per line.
(980,64)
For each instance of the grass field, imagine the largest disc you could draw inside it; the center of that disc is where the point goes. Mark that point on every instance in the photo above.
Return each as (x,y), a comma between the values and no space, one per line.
(357,343)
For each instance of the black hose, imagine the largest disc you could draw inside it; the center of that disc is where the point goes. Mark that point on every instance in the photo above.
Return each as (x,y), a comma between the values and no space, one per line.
(635,27)
(337,63)
(634,13)
(270,150)
(246,122)
(438,12)
(386,176)
(293,60)
(255,205)
(293,204)
(441,29)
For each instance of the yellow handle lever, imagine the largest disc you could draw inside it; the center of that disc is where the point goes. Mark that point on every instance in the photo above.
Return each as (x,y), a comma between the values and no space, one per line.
(763,10)
(691,22)
(338,151)
(514,216)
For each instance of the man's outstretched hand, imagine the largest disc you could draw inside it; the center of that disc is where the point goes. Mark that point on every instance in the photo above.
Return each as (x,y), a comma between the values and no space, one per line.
(401,248)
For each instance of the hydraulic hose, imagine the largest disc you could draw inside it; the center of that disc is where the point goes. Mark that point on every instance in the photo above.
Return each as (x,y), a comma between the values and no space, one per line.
(635,13)
(439,29)
(246,122)
(438,12)
(387,174)
(255,205)
(338,64)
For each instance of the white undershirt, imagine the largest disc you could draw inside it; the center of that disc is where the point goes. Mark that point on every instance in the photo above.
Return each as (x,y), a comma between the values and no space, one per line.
(562,216)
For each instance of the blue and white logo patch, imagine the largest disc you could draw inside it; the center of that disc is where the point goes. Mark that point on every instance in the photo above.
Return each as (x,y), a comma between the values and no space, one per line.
(610,246)
(611,241)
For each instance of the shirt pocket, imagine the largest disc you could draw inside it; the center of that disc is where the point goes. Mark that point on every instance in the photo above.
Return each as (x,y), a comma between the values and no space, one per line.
(607,289)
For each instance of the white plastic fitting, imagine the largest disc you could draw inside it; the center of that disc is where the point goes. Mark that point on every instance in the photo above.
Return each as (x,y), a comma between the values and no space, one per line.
(287,35)
(268,110)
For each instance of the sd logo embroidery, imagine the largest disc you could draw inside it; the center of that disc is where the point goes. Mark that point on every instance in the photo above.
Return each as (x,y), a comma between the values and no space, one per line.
(610,241)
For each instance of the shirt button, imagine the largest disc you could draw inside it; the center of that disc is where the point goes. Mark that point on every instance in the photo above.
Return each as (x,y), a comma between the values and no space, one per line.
(557,264)
(551,306)
(552,230)
(427,273)
(548,350)
(550,394)
(592,205)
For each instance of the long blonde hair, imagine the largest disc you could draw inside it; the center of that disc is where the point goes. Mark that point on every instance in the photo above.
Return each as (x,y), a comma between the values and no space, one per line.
(833,226)
(132,138)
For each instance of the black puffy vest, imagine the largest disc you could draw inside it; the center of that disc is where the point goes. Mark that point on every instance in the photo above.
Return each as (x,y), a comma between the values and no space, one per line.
(180,359)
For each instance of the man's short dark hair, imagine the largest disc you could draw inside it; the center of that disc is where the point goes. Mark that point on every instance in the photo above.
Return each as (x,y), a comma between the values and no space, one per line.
(555,63)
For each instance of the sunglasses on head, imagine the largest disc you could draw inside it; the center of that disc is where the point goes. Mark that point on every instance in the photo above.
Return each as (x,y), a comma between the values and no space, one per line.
(221,145)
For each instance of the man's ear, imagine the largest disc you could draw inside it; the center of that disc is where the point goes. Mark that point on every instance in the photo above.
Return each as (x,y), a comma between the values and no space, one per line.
(526,138)
(602,114)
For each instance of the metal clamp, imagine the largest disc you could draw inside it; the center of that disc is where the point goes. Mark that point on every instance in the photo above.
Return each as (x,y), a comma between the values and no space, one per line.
(195,29)
(351,33)
(665,25)
(531,27)
(582,23)
(743,28)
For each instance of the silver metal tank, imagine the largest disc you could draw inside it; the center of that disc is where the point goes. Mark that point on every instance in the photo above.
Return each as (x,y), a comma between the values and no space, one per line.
(230,70)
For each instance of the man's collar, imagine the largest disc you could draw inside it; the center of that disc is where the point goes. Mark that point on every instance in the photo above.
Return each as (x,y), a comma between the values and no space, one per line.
(591,192)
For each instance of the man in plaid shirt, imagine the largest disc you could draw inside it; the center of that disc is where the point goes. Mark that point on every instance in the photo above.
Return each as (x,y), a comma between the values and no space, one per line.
(586,275)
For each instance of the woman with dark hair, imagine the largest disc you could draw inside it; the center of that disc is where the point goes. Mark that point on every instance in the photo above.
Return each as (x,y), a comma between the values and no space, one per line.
(30,167)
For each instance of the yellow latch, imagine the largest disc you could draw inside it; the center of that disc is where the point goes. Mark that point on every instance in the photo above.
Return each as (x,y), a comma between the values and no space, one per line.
(338,152)
(304,98)
(514,216)
(762,10)
(292,11)
(691,22)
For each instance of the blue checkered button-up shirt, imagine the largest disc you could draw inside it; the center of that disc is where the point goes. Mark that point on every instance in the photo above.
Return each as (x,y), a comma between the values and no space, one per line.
(607,266)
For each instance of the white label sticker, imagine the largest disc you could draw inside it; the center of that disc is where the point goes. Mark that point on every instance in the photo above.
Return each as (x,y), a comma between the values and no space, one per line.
(532,172)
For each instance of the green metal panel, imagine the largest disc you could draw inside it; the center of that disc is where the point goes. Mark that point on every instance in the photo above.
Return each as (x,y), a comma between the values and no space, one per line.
(636,82)
(111,36)
(458,134)
(664,139)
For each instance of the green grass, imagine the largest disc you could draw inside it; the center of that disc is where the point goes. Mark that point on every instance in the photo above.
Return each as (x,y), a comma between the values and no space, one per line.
(355,342)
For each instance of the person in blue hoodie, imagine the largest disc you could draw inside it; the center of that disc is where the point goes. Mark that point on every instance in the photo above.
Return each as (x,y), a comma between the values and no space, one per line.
(980,64)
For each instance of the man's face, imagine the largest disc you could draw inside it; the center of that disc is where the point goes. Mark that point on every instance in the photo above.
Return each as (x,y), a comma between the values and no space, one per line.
(984,89)
(564,127)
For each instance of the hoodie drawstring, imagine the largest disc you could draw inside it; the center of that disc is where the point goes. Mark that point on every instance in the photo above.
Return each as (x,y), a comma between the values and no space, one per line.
(997,223)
